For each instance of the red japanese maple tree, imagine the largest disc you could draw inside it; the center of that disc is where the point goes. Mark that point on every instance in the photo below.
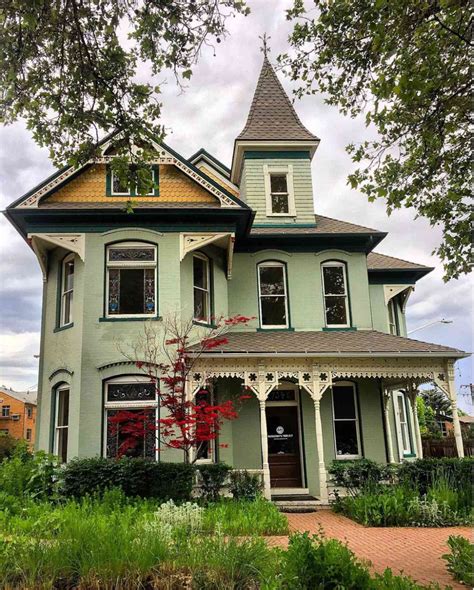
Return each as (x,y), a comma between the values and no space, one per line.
(191,419)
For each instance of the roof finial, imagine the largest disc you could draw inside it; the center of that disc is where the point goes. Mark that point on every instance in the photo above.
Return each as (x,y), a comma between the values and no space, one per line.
(265,38)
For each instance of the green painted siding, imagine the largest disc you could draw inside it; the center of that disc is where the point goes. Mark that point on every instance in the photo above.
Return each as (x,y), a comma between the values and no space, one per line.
(253,189)
(380,311)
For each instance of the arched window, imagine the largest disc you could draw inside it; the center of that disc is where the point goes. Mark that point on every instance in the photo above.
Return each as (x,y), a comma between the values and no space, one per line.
(67,290)
(131,279)
(201,289)
(336,305)
(131,406)
(61,422)
(273,299)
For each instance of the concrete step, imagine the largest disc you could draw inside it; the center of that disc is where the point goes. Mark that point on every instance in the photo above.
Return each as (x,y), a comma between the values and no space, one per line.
(302,503)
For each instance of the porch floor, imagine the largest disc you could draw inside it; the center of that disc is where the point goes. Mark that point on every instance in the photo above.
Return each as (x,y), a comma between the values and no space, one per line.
(415,551)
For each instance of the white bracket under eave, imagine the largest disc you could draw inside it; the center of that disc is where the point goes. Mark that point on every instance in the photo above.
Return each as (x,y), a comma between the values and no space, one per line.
(391,291)
(189,242)
(41,243)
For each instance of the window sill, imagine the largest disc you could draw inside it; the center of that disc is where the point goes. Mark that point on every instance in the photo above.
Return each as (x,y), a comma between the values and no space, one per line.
(137,319)
(61,328)
(281,215)
(342,329)
(263,329)
(347,457)
(204,324)
(409,455)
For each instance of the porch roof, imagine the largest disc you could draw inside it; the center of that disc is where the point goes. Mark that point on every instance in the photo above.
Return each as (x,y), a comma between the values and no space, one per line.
(350,343)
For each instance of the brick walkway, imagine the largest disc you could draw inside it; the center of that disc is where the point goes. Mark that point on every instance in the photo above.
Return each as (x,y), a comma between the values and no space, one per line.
(415,551)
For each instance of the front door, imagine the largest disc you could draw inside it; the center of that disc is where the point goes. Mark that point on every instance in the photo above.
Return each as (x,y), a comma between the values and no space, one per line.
(284,446)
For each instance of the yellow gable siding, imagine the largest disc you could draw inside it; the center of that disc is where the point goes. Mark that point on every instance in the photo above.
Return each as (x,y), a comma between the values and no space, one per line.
(220,182)
(89,186)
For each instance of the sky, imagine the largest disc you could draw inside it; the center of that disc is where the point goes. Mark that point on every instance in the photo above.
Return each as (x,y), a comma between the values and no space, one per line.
(210,113)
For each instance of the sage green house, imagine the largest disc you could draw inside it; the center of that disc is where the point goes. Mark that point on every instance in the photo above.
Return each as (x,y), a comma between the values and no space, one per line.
(326,360)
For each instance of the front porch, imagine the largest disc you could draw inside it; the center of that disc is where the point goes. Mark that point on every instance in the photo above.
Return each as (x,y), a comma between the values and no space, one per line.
(301,416)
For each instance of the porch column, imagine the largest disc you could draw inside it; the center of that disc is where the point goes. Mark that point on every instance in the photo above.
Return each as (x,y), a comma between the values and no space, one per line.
(414,409)
(387,395)
(452,394)
(264,441)
(323,486)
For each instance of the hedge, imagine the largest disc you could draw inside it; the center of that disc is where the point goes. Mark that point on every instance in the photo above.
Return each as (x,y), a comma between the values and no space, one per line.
(136,478)
(423,472)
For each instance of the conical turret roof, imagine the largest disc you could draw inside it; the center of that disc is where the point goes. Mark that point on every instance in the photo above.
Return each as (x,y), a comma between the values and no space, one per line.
(272,116)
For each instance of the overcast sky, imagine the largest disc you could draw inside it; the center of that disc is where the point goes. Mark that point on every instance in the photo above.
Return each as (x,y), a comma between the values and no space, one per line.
(210,113)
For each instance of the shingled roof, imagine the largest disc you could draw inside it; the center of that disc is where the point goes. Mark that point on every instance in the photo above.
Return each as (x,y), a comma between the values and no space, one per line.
(272,116)
(376,261)
(344,343)
(323,225)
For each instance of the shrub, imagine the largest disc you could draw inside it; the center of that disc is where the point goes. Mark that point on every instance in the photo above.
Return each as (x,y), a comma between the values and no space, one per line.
(170,519)
(245,485)
(135,477)
(7,445)
(461,559)
(359,474)
(423,473)
(30,475)
(212,477)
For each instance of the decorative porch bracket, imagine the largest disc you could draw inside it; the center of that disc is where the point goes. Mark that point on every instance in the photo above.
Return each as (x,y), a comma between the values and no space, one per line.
(193,241)
(445,381)
(41,243)
(391,291)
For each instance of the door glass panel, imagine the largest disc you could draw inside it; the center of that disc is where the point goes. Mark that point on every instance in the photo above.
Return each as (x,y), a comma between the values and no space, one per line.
(282,433)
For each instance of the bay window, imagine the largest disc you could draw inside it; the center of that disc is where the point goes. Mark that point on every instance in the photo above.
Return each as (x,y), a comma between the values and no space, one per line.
(61,423)
(131,406)
(67,290)
(273,300)
(346,421)
(201,289)
(131,280)
(336,305)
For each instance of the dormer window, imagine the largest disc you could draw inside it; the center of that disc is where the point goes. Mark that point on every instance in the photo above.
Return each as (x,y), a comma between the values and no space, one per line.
(279,191)
(336,305)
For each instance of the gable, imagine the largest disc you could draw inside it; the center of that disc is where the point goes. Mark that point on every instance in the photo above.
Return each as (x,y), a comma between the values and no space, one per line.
(231,188)
(90,186)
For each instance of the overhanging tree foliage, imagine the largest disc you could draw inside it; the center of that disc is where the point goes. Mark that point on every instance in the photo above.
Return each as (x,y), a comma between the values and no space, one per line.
(77,69)
(406,65)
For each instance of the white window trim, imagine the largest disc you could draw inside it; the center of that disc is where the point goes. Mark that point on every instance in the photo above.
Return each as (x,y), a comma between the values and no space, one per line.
(212,443)
(203,257)
(64,292)
(272,326)
(287,169)
(65,387)
(127,264)
(6,411)
(357,421)
(398,423)
(345,294)
(129,192)
(128,405)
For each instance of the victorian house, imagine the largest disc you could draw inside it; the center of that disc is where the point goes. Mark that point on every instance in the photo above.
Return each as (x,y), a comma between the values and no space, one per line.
(327,358)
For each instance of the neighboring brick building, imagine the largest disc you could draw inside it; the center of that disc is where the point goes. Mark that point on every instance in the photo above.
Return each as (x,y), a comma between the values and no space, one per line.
(18,414)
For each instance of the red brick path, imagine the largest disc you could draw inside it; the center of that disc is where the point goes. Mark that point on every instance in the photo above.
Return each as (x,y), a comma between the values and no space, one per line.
(414,551)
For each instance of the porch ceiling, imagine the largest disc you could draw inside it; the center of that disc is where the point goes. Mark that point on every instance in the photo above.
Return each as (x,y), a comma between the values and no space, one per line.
(362,343)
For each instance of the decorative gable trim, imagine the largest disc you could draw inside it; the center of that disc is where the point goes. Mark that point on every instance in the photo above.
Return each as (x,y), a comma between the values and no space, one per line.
(165,155)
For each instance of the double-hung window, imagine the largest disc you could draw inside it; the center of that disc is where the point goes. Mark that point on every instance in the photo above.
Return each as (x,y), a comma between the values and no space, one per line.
(67,290)
(403,429)
(392,317)
(131,280)
(201,289)
(5,411)
(336,305)
(279,190)
(273,300)
(131,406)
(346,421)
(61,423)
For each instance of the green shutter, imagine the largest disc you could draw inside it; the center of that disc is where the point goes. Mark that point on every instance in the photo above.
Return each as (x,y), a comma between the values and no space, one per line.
(156,190)
(108,182)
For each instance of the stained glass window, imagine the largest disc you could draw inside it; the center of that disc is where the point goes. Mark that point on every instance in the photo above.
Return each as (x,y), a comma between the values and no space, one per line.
(125,392)
(131,281)
(335,294)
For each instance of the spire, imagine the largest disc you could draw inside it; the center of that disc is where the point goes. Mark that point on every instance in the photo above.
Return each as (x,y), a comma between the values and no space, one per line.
(272,116)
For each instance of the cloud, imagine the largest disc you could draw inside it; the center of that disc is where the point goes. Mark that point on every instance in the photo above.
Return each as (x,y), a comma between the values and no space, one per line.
(211,113)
